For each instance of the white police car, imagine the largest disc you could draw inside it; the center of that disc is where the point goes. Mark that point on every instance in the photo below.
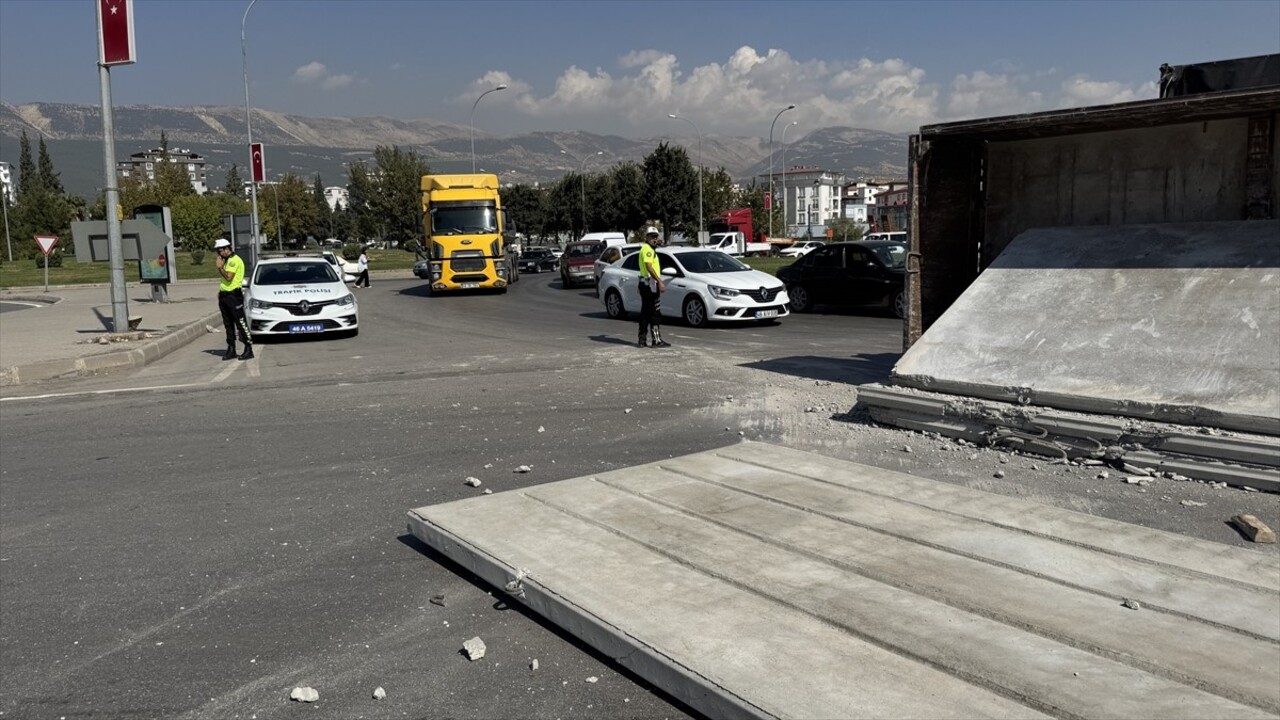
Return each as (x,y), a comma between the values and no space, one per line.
(702,286)
(299,295)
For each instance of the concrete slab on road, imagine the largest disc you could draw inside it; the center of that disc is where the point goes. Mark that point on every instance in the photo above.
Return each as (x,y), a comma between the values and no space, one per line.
(758,580)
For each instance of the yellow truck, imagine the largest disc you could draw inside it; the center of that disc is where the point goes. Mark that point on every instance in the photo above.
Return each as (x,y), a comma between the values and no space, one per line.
(466,234)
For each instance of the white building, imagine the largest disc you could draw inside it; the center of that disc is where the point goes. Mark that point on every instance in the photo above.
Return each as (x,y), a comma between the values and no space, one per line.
(810,198)
(336,196)
(144,164)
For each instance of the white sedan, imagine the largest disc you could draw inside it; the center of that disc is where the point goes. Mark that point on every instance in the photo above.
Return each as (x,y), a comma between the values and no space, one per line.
(299,295)
(802,248)
(702,286)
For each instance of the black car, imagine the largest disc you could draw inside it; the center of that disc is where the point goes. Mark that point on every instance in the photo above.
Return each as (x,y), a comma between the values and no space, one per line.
(538,259)
(871,272)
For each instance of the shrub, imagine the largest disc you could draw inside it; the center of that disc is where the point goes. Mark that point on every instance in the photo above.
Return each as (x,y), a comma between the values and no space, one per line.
(54,260)
(197,256)
(412,246)
(351,251)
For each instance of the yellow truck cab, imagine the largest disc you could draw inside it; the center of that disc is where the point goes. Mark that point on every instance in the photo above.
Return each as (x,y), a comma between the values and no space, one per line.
(466,233)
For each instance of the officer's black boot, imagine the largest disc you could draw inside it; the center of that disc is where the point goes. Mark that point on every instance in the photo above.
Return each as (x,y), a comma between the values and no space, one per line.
(248,353)
(230,354)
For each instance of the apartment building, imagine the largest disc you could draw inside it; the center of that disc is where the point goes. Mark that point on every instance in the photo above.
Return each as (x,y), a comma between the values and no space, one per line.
(144,164)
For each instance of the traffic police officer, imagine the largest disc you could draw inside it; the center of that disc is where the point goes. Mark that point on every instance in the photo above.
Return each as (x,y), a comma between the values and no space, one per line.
(651,287)
(231,299)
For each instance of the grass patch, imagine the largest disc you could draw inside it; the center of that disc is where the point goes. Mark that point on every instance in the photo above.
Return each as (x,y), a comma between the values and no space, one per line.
(768,264)
(24,273)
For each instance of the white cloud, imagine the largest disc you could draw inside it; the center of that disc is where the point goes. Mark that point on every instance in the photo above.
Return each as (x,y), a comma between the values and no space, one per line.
(310,73)
(315,73)
(741,95)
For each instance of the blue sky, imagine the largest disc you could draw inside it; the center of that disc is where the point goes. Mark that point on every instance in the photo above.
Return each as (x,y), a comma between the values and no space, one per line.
(619,67)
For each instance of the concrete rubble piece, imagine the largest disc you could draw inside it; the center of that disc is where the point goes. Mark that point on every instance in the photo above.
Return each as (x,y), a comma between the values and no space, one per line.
(761,581)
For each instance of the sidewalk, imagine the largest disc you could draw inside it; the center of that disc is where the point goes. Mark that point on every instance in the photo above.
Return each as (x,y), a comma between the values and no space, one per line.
(64,334)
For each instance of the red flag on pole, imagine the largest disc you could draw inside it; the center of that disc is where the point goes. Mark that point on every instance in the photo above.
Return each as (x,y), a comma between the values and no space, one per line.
(259,166)
(115,32)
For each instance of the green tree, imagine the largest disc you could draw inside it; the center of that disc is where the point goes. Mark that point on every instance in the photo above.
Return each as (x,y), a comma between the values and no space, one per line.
(629,197)
(234,184)
(399,197)
(718,193)
(27,177)
(561,214)
(362,221)
(172,180)
(525,206)
(286,209)
(322,227)
(672,184)
(753,197)
(846,229)
(197,221)
(48,177)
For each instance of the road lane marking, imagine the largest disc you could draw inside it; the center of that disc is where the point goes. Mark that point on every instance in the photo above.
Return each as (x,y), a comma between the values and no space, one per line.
(101,392)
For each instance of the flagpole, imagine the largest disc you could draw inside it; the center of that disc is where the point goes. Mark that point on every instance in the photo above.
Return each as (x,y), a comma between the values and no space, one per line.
(111,192)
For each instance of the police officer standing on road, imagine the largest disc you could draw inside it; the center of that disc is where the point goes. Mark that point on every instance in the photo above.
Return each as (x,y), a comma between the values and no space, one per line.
(651,287)
(231,299)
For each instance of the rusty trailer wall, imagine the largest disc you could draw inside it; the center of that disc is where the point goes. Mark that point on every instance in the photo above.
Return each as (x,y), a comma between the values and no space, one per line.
(977,185)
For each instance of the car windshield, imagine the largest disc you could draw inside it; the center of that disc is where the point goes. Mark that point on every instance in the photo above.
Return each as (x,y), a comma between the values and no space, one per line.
(463,219)
(894,256)
(711,261)
(584,250)
(295,273)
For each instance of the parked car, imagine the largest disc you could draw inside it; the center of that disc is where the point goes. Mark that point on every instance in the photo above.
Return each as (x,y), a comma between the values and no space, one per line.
(299,295)
(345,267)
(801,248)
(702,286)
(537,259)
(896,236)
(869,272)
(611,255)
(422,269)
(577,265)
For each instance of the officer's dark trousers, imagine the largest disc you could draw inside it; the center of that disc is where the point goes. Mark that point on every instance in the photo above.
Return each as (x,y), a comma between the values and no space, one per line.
(231,303)
(650,318)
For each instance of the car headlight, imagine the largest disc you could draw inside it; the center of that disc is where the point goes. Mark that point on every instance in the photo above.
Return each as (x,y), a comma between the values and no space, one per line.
(347,299)
(260,304)
(722,293)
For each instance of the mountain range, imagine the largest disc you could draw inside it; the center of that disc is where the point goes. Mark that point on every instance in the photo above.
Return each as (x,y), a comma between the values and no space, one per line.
(308,145)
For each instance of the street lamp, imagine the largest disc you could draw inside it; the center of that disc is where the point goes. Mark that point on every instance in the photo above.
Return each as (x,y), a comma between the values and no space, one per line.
(248,126)
(701,225)
(582,176)
(775,122)
(471,122)
(786,217)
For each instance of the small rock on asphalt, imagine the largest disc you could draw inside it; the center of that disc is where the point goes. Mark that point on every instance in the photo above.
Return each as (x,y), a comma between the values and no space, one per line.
(304,694)
(906,448)
(474,648)
(592,679)
(999,473)
(1191,503)
(523,469)
(437,600)
(541,429)
(1132,604)
(379,693)
(533,664)
(472,481)
(487,491)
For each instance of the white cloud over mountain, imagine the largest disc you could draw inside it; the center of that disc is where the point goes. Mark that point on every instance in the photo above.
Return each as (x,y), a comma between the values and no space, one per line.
(743,93)
(315,73)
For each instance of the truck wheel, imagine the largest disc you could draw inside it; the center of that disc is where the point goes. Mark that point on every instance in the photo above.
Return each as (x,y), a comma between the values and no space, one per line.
(799,298)
(695,311)
(613,305)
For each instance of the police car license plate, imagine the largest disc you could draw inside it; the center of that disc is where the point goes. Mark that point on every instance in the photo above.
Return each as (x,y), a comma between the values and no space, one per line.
(762,314)
(306,327)
(469,285)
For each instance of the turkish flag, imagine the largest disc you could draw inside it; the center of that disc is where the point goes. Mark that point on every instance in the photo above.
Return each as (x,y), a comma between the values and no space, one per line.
(115,32)
(258,165)
(768,200)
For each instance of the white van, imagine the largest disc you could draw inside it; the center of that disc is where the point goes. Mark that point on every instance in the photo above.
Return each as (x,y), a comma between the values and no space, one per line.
(608,239)
(896,236)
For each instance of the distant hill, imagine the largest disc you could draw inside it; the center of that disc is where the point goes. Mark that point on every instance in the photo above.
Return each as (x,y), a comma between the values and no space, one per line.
(305,145)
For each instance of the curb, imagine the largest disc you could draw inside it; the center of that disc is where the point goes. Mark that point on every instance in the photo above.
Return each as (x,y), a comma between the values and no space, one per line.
(145,353)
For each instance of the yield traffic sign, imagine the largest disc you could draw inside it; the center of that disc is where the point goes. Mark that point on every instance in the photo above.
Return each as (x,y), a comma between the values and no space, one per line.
(46,243)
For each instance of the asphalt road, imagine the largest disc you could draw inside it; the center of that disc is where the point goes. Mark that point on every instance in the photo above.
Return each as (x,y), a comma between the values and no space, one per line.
(196,538)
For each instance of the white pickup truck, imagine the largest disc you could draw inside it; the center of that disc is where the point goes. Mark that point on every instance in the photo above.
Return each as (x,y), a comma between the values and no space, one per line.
(735,243)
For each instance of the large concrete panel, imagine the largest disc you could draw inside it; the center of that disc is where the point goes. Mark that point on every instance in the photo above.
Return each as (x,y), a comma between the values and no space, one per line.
(1177,322)
(761,581)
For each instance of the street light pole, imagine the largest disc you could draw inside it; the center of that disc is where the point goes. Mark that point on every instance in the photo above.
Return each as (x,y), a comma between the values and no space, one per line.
(775,122)
(786,217)
(248,127)
(701,224)
(472,124)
